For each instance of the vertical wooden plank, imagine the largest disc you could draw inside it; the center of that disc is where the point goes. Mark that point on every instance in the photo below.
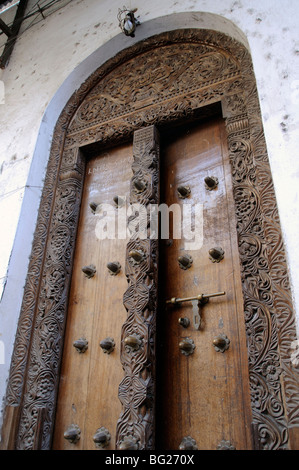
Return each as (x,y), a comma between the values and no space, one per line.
(205,394)
(112,178)
(88,391)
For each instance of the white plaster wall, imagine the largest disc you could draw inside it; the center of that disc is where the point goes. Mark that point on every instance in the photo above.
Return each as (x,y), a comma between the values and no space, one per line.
(47,53)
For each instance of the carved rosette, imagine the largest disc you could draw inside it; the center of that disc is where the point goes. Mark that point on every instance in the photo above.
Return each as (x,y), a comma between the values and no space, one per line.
(137,389)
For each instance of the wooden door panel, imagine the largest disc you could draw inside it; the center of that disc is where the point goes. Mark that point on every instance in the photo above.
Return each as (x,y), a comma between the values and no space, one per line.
(88,391)
(204,395)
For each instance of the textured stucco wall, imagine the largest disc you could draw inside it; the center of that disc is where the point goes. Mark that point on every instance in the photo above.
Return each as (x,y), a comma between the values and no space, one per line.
(40,77)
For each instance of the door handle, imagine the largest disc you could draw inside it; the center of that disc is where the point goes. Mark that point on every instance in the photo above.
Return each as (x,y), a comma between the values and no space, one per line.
(197,301)
(202,298)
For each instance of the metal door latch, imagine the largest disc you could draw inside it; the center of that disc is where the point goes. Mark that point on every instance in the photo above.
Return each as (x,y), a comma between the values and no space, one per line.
(200,297)
(196,310)
(198,301)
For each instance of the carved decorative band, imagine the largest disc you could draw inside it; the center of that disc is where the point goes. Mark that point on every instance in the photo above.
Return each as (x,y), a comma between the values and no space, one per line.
(48,331)
(268,406)
(137,389)
(237,124)
(156,113)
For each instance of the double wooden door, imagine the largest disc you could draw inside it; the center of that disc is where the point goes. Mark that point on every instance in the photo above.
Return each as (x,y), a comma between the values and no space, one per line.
(202,386)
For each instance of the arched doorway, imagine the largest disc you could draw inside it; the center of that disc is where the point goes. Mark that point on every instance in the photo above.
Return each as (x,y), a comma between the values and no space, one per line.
(167,78)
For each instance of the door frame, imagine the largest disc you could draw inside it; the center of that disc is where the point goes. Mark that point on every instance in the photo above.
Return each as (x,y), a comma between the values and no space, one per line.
(268,312)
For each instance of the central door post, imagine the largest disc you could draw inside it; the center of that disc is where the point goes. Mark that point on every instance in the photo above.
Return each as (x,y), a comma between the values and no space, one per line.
(136,425)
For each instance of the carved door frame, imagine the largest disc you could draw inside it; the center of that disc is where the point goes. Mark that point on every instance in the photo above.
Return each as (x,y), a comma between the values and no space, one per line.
(180,91)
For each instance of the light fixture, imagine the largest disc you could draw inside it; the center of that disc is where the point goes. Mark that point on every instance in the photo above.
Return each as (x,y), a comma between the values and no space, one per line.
(127,21)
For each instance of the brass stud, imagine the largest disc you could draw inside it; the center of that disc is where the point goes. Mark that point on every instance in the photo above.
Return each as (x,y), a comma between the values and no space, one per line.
(183,191)
(119,201)
(133,342)
(187,346)
(81,345)
(211,182)
(188,443)
(89,271)
(114,268)
(102,437)
(107,345)
(129,443)
(216,254)
(221,343)
(225,445)
(72,434)
(185,261)
(136,256)
(93,206)
(184,322)
(139,185)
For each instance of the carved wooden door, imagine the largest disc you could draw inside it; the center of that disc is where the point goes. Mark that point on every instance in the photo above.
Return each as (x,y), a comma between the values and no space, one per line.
(203,381)
(198,371)
(91,373)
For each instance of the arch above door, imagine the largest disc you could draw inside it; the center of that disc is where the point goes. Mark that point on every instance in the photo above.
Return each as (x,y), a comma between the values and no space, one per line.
(171,76)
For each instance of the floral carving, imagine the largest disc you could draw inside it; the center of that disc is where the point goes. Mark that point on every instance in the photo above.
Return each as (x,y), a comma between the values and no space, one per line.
(136,391)
(174,75)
